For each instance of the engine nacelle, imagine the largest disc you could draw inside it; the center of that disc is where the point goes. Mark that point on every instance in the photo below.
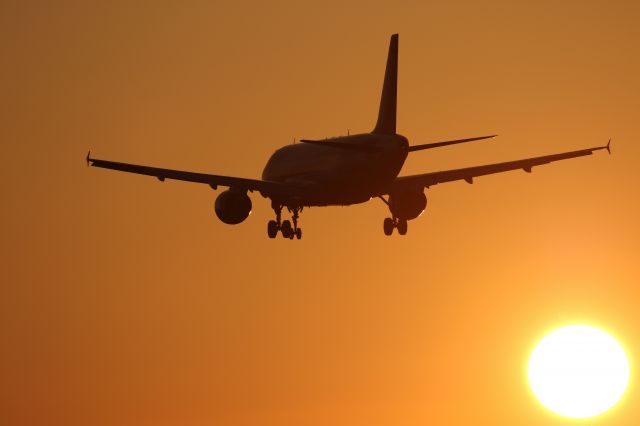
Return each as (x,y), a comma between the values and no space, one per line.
(407,205)
(233,207)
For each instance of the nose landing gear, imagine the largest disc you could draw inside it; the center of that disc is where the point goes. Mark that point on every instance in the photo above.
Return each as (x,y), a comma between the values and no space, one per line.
(288,231)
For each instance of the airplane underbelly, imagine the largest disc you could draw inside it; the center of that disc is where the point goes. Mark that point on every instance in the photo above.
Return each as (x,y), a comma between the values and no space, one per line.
(350,184)
(329,176)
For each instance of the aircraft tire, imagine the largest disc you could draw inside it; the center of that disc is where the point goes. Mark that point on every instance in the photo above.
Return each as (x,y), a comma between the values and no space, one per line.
(299,233)
(387,226)
(287,230)
(272,229)
(402,226)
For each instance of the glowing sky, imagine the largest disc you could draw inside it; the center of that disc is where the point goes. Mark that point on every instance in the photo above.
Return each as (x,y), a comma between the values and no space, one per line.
(124,301)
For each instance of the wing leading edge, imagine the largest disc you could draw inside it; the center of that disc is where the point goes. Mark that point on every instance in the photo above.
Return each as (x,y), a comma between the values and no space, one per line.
(426,180)
(266,188)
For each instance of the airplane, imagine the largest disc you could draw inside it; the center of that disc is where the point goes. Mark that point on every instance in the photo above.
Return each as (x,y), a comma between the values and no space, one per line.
(341,171)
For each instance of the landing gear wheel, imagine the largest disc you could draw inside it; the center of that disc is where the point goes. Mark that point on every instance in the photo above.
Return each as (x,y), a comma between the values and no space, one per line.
(287,230)
(402,226)
(299,233)
(388,226)
(272,229)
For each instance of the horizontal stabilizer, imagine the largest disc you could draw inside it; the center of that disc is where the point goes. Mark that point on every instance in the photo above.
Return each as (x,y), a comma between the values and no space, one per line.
(445,143)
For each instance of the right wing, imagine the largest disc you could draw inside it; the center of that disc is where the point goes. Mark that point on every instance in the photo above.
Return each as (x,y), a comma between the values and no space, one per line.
(266,188)
(426,180)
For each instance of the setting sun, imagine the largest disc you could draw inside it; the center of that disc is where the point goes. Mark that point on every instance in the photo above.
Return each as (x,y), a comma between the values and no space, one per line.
(578,371)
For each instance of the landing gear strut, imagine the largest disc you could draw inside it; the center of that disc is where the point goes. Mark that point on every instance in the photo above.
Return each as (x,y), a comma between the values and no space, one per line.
(288,231)
(296,231)
(393,222)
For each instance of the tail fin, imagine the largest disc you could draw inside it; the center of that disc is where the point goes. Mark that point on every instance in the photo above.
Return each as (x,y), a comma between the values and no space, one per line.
(387,115)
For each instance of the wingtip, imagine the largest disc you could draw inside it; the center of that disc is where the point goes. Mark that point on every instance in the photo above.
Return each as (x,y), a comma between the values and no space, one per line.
(88,158)
(609,146)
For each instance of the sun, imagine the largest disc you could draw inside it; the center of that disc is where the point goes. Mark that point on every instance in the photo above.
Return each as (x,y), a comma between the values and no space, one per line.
(578,371)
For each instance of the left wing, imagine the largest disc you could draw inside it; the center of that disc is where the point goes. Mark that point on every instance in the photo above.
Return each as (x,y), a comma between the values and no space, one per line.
(426,180)
(266,188)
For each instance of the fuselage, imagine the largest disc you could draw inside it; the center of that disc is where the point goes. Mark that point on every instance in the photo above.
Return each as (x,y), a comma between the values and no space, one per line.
(333,175)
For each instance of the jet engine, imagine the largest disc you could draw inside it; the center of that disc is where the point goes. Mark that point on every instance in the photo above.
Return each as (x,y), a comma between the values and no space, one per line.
(233,207)
(407,205)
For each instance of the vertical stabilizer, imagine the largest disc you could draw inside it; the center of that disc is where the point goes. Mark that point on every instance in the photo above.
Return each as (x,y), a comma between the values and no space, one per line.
(387,115)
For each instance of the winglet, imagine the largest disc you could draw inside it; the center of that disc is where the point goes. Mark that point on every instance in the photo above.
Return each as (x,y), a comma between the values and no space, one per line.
(609,146)
(88,158)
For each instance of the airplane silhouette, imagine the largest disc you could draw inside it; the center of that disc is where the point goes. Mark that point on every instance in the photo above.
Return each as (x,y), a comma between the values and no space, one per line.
(341,170)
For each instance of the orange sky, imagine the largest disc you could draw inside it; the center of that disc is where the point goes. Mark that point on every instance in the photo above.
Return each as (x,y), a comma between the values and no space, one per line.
(124,301)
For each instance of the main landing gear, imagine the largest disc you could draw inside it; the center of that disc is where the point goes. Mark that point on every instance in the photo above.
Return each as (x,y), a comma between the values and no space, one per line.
(288,231)
(393,222)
